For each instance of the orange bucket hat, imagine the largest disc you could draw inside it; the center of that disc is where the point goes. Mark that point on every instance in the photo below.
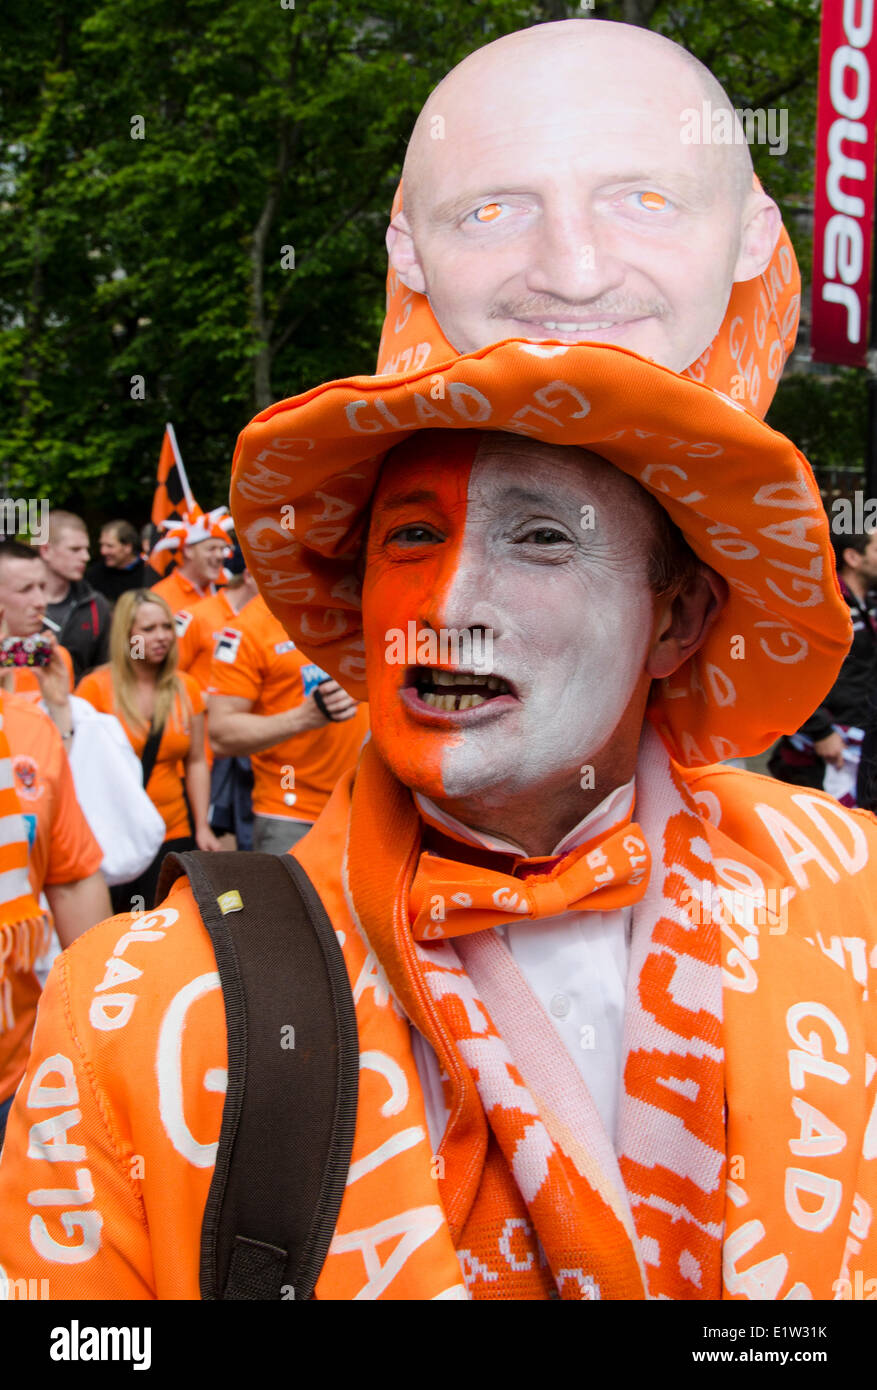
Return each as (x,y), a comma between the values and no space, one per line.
(743,496)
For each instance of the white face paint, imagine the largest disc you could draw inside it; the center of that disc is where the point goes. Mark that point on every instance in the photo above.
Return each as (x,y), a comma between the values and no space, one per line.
(545,549)
(570,610)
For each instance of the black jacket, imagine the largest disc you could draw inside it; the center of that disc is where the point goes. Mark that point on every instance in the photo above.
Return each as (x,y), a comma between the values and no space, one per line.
(848,699)
(847,702)
(85,631)
(113,583)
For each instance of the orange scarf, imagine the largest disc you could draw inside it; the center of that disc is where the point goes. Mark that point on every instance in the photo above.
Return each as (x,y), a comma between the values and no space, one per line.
(515,1167)
(24,930)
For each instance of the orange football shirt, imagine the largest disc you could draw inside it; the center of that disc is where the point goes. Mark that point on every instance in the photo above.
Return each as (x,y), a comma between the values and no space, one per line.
(165,787)
(198,630)
(255,660)
(179,592)
(61,849)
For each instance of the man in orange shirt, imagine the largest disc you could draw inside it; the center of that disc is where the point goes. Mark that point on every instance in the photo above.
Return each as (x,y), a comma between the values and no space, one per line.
(23,598)
(200,626)
(63,861)
(263,703)
(198,631)
(202,542)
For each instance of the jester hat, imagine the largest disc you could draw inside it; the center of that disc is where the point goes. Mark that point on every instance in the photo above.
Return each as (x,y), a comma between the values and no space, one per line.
(194,526)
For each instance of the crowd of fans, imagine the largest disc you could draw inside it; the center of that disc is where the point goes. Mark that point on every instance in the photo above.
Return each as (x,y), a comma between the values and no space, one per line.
(235,738)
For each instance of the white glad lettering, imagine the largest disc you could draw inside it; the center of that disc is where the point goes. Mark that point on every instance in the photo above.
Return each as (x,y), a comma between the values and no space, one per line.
(48,1144)
(819,1136)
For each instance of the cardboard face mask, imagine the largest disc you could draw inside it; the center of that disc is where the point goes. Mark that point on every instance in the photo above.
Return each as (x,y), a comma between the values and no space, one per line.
(556,190)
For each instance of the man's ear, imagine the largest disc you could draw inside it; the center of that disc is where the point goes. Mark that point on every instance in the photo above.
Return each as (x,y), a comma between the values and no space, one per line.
(761,227)
(682,623)
(403,254)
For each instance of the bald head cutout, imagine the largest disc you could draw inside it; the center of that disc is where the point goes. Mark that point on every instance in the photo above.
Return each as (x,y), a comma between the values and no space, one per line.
(549,192)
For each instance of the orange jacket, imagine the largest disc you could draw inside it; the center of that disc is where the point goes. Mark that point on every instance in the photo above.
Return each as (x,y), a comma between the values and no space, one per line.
(112,1138)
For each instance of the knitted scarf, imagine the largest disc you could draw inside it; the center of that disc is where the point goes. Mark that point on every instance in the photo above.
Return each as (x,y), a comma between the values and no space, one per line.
(24,932)
(525,1159)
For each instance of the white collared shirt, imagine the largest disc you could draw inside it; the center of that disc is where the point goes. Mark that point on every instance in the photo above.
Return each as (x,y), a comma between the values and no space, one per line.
(575,964)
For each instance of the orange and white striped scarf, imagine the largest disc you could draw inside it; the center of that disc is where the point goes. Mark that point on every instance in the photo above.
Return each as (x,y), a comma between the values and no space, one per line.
(525,1156)
(24,928)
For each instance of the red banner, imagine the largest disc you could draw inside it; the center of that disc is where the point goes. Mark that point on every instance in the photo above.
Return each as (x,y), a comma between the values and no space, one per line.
(844,202)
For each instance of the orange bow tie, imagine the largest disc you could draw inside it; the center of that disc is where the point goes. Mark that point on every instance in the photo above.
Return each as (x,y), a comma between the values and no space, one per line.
(449,898)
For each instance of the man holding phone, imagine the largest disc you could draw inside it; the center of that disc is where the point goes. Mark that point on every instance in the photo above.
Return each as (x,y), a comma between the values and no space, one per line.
(301,730)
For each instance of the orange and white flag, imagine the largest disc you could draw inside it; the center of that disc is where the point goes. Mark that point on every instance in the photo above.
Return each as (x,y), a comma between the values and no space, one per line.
(173,498)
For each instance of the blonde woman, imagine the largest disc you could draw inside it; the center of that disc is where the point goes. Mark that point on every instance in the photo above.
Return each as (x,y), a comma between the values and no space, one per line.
(162,713)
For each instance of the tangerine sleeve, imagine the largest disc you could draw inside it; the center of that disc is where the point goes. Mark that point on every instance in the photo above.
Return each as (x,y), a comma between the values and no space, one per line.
(193,690)
(73,1220)
(112,1135)
(97,690)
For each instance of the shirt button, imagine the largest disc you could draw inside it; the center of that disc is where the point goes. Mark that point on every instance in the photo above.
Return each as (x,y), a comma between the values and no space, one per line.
(560,1005)
(289,798)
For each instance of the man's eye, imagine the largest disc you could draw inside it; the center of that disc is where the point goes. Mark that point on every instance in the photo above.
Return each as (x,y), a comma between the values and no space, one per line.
(488,212)
(545,535)
(649,201)
(414,535)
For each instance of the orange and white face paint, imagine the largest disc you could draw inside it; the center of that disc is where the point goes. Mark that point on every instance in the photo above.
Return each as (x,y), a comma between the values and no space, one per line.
(539,552)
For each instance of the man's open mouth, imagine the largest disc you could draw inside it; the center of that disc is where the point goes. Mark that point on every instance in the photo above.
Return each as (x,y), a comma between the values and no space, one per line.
(455,690)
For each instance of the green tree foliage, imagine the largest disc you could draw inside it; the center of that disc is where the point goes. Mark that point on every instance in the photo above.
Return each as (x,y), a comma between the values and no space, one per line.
(166,163)
(158,158)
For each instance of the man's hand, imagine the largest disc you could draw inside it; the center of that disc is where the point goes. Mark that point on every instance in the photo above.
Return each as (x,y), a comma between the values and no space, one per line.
(53,679)
(831,749)
(205,839)
(336,701)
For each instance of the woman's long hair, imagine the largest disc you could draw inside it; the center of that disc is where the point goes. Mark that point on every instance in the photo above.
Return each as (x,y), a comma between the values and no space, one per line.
(168,685)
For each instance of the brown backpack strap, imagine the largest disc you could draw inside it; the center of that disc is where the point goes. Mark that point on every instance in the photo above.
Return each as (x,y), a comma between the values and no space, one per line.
(293,1073)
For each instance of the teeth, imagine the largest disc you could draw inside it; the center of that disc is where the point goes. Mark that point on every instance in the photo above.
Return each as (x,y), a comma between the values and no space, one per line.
(576,327)
(455,678)
(451,702)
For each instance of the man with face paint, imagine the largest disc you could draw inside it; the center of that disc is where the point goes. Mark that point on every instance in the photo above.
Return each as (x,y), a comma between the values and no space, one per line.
(606,1048)
(550,192)
(492,541)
